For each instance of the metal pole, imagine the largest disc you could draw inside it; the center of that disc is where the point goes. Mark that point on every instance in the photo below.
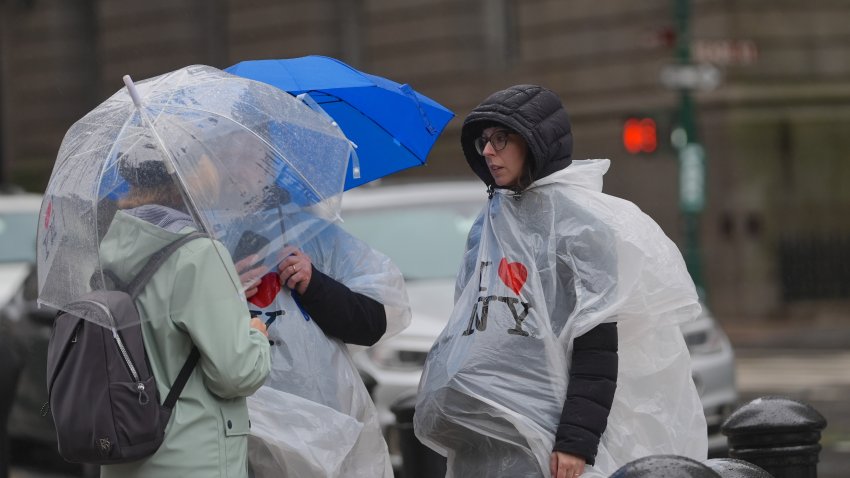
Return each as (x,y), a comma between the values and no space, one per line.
(687,123)
(5,11)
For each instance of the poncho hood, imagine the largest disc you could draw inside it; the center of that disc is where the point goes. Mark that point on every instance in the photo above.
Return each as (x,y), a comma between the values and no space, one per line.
(534,112)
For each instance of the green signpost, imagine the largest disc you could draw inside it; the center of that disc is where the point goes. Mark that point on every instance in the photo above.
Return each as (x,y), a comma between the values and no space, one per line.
(692,159)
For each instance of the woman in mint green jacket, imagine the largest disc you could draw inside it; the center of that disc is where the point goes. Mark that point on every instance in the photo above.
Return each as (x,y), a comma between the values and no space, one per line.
(190,300)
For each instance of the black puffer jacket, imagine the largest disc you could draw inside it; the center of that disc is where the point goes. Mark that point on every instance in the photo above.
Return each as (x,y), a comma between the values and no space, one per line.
(537,114)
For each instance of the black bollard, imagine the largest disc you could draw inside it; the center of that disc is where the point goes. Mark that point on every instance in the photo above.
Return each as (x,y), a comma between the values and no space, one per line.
(417,460)
(665,466)
(732,468)
(778,434)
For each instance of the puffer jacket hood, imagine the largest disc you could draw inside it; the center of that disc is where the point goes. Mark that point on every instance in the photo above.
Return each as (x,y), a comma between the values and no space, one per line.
(534,112)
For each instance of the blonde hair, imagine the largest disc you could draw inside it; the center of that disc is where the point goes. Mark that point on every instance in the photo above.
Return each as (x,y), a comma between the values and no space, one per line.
(205,181)
(164,194)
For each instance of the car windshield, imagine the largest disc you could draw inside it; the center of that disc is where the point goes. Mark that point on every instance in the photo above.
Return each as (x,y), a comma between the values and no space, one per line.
(17,236)
(425,241)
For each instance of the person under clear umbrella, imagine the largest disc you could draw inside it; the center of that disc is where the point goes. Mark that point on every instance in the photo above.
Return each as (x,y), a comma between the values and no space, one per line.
(319,291)
(330,290)
(207,433)
(563,355)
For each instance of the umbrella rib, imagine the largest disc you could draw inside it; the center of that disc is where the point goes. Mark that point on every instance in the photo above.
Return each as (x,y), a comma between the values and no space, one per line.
(96,194)
(192,206)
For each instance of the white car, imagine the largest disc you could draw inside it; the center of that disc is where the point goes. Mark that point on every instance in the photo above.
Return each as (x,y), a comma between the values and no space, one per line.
(422,228)
(18,218)
(24,330)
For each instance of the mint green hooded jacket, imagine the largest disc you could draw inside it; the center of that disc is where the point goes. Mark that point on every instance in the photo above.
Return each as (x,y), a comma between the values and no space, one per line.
(191,299)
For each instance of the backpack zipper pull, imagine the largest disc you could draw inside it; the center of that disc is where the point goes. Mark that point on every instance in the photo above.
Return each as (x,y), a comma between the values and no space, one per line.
(143,396)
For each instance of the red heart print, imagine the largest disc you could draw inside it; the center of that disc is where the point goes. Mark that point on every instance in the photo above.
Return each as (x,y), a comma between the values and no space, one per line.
(513,274)
(267,291)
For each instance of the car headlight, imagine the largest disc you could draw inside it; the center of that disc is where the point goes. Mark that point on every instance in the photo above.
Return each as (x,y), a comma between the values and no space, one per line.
(705,341)
(391,358)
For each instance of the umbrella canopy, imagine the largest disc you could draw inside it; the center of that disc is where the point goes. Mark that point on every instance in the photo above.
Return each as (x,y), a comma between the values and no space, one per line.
(392,126)
(196,148)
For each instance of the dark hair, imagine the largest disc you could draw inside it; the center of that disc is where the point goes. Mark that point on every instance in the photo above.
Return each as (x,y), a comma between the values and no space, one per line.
(145,172)
(143,166)
(482,125)
(527,176)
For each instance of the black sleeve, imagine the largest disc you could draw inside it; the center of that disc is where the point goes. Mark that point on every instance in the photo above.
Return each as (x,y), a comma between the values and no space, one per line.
(590,393)
(342,313)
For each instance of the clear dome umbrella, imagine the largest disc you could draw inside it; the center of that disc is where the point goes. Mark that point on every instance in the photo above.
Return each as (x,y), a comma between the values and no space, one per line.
(227,148)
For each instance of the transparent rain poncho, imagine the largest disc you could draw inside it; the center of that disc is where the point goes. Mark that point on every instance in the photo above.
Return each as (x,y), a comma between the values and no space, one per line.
(314,416)
(200,148)
(539,272)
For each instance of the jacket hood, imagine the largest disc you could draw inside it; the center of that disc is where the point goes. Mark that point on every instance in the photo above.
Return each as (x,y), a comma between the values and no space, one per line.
(536,114)
(130,241)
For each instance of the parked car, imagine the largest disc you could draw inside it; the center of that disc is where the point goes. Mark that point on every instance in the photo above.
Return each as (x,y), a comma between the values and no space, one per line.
(24,333)
(423,228)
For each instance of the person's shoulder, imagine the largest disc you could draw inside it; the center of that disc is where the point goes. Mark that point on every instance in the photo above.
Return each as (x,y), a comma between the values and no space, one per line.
(201,247)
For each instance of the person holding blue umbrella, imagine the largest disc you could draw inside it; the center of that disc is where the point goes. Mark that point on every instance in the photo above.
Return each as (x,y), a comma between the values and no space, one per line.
(343,290)
(328,291)
(333,289)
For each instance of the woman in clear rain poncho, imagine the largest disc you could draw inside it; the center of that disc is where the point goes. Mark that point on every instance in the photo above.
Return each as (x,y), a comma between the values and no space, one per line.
(559,280)
(323,290)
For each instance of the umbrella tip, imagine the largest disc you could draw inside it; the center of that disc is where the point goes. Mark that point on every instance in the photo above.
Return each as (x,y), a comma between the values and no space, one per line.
(134,93)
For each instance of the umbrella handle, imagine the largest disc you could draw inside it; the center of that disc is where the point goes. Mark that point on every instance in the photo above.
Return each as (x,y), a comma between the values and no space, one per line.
(137,100)
(134,93)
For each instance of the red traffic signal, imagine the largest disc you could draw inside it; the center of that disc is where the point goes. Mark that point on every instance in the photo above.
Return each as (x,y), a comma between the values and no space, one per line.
(640,135)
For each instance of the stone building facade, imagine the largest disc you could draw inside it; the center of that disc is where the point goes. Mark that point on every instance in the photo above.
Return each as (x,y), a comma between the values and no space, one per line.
(774,233)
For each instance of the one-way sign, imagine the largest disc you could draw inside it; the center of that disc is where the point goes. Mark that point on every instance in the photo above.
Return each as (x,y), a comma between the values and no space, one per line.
(701,76)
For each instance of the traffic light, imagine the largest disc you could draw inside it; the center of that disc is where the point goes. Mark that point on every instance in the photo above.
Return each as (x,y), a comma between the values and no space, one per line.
(640,135)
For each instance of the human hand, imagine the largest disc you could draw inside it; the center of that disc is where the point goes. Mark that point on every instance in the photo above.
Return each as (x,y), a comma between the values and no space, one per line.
(259,325)
(565,465)
(296,269)
(250,277)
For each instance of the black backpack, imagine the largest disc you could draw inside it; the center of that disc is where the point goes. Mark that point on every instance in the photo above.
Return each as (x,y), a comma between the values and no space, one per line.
(101,391)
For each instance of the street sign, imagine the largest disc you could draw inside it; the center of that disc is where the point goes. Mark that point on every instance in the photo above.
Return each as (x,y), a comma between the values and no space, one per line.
(692,178)
(726,52)
(702,76)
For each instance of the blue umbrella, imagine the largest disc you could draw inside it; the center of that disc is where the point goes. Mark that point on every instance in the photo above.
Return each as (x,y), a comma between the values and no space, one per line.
(392,126)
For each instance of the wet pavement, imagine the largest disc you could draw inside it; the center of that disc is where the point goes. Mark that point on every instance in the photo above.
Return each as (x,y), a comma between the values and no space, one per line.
(804,361)
(799,360)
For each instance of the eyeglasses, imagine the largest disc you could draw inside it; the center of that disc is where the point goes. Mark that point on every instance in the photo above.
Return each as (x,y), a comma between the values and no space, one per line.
(498,139)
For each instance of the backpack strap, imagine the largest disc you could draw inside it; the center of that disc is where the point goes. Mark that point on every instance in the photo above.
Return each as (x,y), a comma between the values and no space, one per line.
(135,288)
(137,285)
(182,378)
